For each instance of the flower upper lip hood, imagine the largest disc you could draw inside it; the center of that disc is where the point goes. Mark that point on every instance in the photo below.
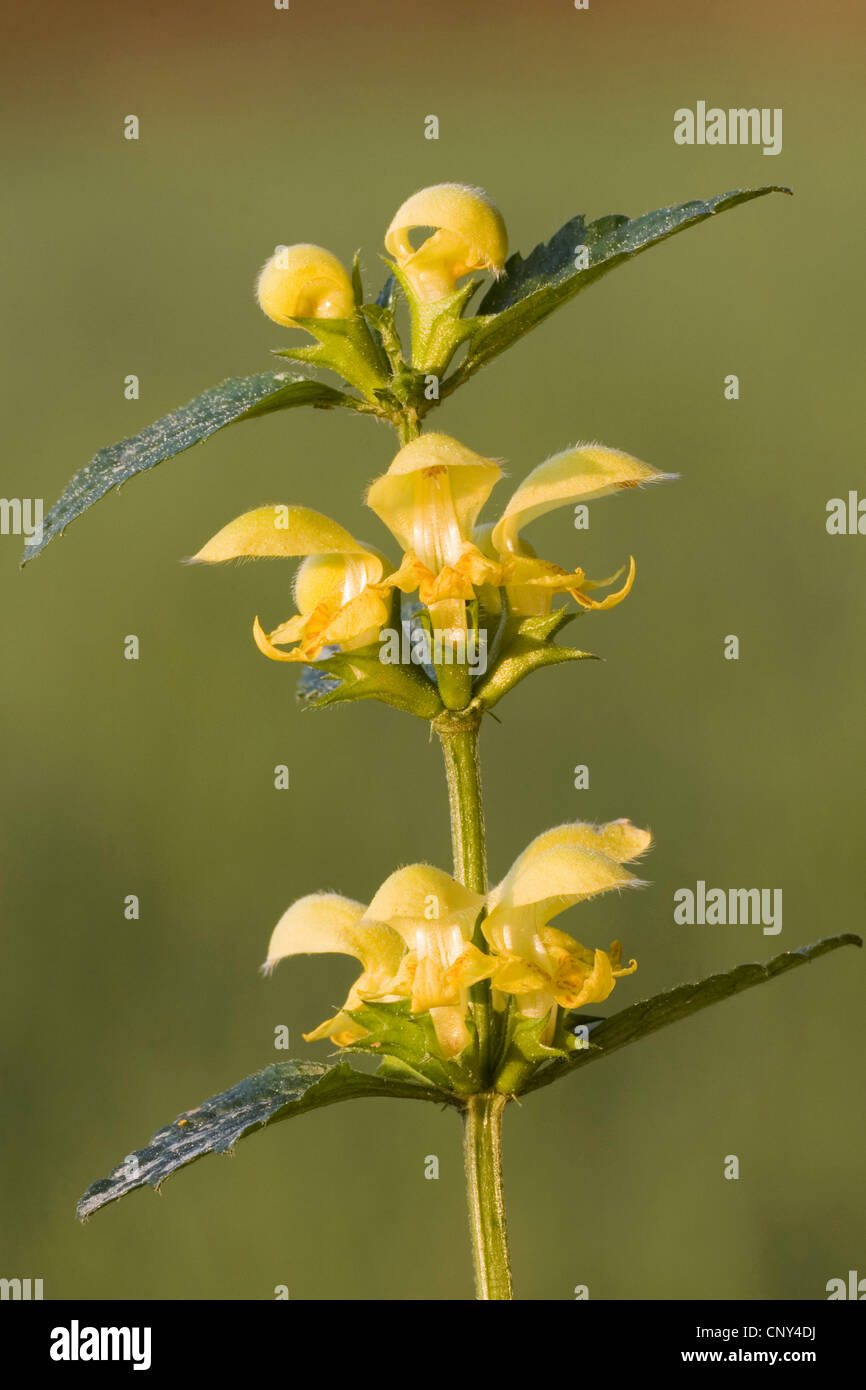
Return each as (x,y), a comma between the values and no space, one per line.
(561,867)
(582,473)
(304,282)
(431,496)
(469,234)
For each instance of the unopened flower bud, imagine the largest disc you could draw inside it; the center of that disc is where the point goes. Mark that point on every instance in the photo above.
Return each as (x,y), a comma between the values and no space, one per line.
(469,234)
(304,282)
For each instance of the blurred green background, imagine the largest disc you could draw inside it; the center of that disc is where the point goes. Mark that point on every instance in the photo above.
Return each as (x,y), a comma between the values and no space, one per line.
(156,777)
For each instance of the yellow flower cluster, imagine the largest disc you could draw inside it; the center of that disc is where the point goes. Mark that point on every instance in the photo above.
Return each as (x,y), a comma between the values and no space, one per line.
(467,235)
(429,499)
(415,939)
(432,494)
(424,937)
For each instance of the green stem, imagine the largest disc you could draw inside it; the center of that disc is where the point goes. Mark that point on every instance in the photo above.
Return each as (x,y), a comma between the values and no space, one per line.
(482,1151)
(458,734)
(407,425)
(482,1116)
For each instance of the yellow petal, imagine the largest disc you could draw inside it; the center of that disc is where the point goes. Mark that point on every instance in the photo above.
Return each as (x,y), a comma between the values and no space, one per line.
(572,992)
(579,474)
(488,593)
(469,968)
(442,989)
(421,893)
(611,600)
(469,234)
(290,631)
(342,1028)
(352,625)
(452,1033)
(266,646)
(335,577)
(552,879)
(543,882)
(279,531)
(431,495)
(326,923)
(356,624)
(428,988)
(560,946)
(619,839)
(306,282)
(527,580)
(532,584)
(559,969)
(530,979)
(519,975)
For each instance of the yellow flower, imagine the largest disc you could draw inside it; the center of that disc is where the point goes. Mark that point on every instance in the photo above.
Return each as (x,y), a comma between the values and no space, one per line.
(435,916)
(414,942)
(335,587)
(563,972)
(304,282)
(541,966)
(430,499)
(469,234)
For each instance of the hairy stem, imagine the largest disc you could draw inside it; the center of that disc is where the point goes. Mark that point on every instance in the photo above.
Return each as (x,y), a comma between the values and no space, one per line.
(482,1151)
(407,425)
(458,734)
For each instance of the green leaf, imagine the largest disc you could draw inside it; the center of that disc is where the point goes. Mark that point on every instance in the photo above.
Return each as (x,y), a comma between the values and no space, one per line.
(361,675)
(395,1066)
(240,398)
(280,1092)
(382,321)
(391,1024)
(526,645)
(357,282)
(344,346)
(534,286)
(638,1021)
